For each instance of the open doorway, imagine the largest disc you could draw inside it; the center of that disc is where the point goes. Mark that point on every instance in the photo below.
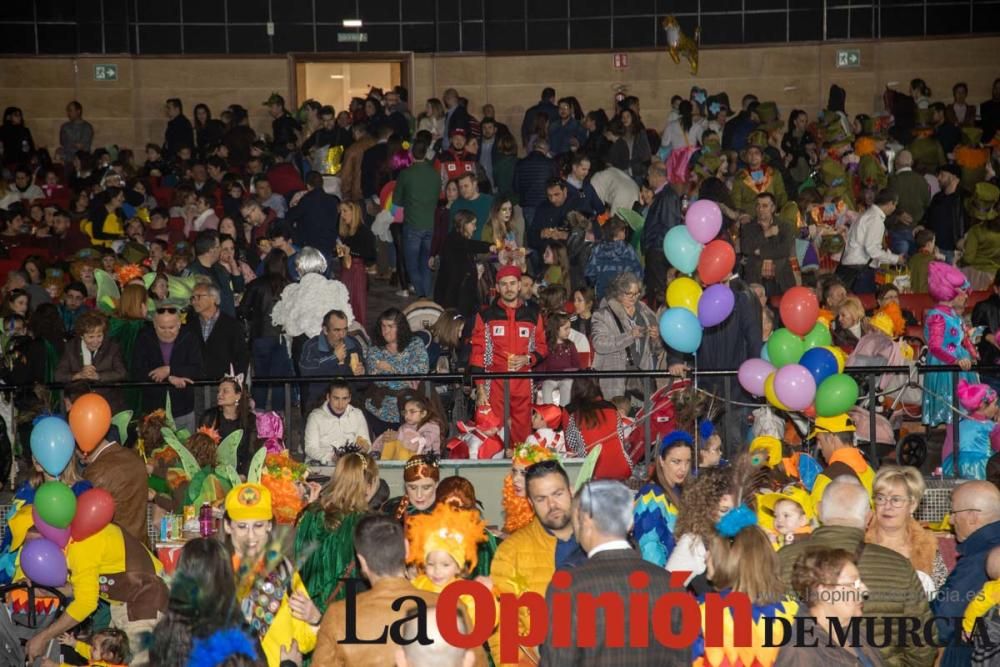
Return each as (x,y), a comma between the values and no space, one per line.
(336,80)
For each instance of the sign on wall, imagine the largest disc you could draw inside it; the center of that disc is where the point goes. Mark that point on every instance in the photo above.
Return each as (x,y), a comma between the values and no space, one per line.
(620,61)
(105,72)
(849,58)
(352,37)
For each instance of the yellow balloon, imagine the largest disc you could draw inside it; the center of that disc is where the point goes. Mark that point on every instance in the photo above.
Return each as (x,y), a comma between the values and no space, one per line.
(839,355)
(684,293)
(772,397)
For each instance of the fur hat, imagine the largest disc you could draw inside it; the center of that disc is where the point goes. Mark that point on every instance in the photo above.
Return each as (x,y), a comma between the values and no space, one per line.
(973,396)
(944,281)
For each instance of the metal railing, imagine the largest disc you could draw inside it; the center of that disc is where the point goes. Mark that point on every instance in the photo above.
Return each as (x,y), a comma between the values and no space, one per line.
(730,396)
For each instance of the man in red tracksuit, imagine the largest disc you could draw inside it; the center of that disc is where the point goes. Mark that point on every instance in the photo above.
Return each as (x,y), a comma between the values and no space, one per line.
(509,336)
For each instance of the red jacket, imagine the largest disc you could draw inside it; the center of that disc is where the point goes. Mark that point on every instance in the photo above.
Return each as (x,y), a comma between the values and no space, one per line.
(284,179)
(451,165)
(501,331)
(614,461)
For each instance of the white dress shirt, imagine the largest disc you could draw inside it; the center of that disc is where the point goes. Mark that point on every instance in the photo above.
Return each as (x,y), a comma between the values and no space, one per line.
(613,545)
(865,241)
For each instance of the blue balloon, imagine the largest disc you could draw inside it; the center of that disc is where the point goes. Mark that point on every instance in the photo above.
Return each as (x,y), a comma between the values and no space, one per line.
(681,250)
(680,329)
(820,363)
(52,444)
(763,352)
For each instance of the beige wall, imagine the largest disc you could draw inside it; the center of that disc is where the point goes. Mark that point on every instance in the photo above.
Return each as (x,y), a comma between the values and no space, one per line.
(129,111)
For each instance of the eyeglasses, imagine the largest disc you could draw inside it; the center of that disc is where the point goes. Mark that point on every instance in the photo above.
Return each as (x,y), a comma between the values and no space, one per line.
(634,295)
(892,501)
(166,309)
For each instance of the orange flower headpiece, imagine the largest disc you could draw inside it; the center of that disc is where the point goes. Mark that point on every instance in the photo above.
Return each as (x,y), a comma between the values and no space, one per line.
(155,414)
(528,454)
(424,466)
(210,432)
(126,274)
(895,313)
(456,532)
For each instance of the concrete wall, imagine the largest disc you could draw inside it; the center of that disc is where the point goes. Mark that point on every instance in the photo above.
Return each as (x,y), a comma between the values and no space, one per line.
(129,111)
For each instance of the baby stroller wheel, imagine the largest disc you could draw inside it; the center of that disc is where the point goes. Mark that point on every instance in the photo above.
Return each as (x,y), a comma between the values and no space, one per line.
(911,450)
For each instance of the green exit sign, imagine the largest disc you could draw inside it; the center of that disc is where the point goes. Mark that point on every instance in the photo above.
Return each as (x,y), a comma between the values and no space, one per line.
(849,58)
(105,72)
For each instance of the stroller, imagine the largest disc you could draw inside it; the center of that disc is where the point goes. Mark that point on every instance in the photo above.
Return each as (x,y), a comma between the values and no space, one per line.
(27,609)
(897,420)
(663,418)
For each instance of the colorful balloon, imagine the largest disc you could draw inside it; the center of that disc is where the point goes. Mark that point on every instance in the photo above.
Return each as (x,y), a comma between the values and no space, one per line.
(818,336)
(95,509)
(716,304)
(685,293)
(753,373)
(839,354)
(56,504)
(799,310)
(836,395)
(763,353)
(680,330)
(58,535)
(784,347)
(90,419)
(821,364)
(716,262)
(703,220)
(794,386)
(681,250)
(44,562)
(769,394)
(52,444)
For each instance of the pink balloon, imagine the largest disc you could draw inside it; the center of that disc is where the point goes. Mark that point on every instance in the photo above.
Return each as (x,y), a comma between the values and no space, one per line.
(703,220)
(753,373)
(795,386)
(58,535)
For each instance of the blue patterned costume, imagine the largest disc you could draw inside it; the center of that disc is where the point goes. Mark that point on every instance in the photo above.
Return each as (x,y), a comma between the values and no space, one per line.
(947,344)
(975,449)
(655,517)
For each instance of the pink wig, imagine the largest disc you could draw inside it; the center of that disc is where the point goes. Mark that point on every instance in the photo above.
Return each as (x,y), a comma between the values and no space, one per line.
(944,281)
(974,396)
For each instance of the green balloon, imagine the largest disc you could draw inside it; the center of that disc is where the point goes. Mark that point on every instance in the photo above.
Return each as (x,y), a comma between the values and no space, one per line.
(818,337)
(836,395)
(56,504)
(784,347)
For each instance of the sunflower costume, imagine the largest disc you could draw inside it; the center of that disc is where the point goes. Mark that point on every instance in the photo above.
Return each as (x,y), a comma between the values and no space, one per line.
(194,484)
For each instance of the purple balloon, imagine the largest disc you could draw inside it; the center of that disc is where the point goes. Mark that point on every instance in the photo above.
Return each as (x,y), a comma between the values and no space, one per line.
(44,562)
(753,373)
(715,305)
(703,220)
(58,535)
(795,386)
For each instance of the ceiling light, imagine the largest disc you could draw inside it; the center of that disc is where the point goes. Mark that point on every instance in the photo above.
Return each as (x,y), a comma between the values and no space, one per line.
(336,76)
(352,23)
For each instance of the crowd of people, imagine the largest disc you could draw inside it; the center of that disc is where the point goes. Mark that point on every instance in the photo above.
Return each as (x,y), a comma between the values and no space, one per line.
(217,256)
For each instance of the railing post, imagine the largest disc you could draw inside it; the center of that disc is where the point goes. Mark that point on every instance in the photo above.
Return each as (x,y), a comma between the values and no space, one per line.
(506,416)
(872,402)
(647,423)
(954,424)
(730,410)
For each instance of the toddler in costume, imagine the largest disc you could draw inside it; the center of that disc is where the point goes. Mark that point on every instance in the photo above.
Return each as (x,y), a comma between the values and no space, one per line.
(989,594)
(107,648)
(979,434)
(481,440)
(948,342)
(443,544)
(786,515)
(547,422)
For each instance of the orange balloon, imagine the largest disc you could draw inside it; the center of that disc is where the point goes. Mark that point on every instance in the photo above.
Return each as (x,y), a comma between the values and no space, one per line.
(89,419)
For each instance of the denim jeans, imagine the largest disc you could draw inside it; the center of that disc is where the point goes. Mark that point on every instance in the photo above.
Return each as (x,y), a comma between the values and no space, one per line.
(270,359)
(417,249)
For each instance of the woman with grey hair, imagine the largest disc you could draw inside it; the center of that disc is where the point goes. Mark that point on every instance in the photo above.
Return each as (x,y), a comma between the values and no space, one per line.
(625,335)
(301,307)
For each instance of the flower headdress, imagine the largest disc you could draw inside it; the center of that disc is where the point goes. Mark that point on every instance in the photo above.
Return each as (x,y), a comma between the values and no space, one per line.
(127,273)
(974,396)
(423,466)
(735,520)
(526,454)
(454,531)
(210,432)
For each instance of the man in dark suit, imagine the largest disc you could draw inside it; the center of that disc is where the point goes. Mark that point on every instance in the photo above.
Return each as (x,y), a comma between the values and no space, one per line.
(179,131)
(547,104)
(223,346)
(456,116)
(989,113)
(602,520)
(315,219)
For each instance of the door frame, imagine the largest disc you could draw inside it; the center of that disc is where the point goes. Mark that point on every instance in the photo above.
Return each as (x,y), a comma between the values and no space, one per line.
(404,58)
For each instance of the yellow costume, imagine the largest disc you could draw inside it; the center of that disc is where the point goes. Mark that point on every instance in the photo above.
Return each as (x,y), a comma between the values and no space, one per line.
(987,598)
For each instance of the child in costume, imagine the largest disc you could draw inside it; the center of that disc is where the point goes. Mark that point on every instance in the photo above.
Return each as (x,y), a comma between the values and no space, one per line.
(979,433)
(107,648)
(517,510)
(481,440)
(786,515)
(419,433)
(709,446)
(206,472)
(443,545)
(546,422)
(989,594)
(948,341)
